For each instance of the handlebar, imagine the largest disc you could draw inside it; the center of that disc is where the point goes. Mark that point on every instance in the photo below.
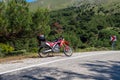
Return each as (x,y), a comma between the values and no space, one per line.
(59,38)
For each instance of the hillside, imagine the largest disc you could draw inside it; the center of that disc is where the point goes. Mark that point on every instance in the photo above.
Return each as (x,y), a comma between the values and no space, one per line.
(112,6)
(60,4)
(51,4)
(90,23)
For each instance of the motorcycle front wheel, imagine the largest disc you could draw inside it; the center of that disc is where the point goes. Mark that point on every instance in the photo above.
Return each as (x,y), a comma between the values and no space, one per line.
(68,51)
(42,53)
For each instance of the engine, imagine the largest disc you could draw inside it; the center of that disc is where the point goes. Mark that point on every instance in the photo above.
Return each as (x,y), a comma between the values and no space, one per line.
(56,48)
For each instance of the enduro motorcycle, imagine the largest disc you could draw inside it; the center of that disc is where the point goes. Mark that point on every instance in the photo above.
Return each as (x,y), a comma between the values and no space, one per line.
(46,47)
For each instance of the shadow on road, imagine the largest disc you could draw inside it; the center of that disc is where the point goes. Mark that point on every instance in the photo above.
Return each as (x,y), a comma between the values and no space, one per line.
(101,71)
(41,74)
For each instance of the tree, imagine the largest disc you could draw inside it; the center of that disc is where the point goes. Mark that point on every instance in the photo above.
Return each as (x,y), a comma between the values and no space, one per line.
(18,26)
(17,19)
(41,21)
(3,20)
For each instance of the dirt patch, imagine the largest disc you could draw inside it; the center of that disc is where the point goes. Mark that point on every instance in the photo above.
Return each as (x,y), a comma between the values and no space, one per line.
(12,58)
(20,57)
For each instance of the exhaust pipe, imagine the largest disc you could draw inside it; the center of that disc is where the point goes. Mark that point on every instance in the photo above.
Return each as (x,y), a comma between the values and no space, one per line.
(46,51)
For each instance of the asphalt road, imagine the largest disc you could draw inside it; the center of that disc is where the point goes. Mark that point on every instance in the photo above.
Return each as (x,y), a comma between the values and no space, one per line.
(100,65)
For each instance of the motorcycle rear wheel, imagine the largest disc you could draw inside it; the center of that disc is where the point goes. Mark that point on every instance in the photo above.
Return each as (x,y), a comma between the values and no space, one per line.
(42,53)
(68,51)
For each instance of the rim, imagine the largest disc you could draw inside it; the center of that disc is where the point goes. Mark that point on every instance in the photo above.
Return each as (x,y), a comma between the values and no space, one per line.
(68,51)
(41,54)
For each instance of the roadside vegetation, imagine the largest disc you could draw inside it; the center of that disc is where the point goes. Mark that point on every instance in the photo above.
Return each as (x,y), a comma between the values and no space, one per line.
(86,26)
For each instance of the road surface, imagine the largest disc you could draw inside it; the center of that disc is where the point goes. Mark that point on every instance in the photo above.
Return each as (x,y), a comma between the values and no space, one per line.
(100,65)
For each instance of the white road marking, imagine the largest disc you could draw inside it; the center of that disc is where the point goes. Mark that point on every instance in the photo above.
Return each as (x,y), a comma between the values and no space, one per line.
(67,58)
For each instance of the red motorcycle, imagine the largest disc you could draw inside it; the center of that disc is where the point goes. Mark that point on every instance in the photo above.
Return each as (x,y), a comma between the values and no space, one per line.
(46,47)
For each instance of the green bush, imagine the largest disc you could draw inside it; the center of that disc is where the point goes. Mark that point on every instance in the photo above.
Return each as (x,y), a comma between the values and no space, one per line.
(1,54)
(33,45)
(5,49)
(25,43)
(74,40)
(21,44)
(19,52)
(34,49)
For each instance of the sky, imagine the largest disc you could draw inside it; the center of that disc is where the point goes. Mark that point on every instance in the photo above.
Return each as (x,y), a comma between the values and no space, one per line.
(30,0)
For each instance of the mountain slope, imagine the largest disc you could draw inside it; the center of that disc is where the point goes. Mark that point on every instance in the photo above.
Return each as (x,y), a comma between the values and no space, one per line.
(112,6)
(60,4)
(51,4)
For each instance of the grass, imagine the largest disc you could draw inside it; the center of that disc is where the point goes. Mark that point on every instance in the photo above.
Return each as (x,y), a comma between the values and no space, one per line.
(24,56)
(92,49)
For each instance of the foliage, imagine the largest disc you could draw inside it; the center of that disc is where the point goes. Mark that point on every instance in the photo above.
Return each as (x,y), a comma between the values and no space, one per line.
(73,39)
(40,21)
(88,25)
(84,25)
(5,49)
(25,43)
(17,23)
(19,26)
(14,53)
